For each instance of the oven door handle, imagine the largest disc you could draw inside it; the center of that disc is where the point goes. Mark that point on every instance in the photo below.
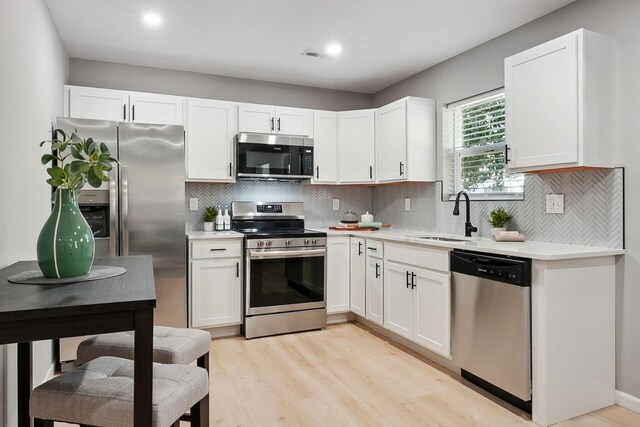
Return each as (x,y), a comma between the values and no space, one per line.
(268,253)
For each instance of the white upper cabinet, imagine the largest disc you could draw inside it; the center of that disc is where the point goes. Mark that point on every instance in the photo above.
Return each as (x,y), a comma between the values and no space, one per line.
(95,103)
(123,106)
(325,147)
(559,104)
(405,141)
(154,108)
(211,129)
(257,118)
(356,139)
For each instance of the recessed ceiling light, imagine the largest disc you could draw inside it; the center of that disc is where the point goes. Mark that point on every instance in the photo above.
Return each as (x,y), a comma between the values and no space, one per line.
(333,49)
(152,19)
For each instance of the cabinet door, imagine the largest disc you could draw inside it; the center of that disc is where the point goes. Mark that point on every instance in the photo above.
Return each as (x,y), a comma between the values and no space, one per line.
(156,109)
(374,290)
(433,310)
(356,138)
(294,121)
(98,104)
(256,118)
(211,129)
(325,147)
(216,292)
(398,300)
(391,142)
(541,104)
(337,274)
(358,268)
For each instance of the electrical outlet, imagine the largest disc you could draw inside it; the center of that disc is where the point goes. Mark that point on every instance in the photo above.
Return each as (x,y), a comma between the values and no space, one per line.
(193,203)
(407,204)
(555,203)
(336,204)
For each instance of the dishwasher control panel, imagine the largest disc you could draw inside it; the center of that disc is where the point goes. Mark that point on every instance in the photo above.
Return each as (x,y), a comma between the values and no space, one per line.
(513,270)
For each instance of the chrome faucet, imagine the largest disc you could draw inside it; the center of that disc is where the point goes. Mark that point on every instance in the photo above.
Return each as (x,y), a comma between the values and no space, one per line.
(468,228)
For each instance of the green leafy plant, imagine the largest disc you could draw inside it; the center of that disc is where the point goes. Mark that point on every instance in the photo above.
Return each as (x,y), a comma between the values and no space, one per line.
(500,218)
(210,214)
(90,161)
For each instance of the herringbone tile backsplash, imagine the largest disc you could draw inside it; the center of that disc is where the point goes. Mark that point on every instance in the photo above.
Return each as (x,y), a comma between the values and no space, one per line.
(593,204)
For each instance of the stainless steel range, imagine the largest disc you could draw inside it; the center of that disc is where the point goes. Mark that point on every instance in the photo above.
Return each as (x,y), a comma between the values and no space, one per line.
(285,269)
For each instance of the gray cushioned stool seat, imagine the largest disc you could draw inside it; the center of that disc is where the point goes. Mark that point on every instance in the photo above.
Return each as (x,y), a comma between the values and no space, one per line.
(100,393)
(170,345)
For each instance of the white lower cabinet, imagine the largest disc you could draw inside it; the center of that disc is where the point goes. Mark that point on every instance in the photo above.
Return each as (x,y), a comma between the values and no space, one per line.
(337,274)
(358,269)
(374,283)
(417,300)
(215,283)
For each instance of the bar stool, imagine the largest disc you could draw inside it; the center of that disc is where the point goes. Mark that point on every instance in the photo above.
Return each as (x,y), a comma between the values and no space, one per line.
(100,393)
(170,346)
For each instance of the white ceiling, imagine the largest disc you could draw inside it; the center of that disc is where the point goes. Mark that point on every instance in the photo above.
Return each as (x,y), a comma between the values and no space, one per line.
(383,41)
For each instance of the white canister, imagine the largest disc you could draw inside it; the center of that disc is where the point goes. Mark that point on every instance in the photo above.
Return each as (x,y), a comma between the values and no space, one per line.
(366,217)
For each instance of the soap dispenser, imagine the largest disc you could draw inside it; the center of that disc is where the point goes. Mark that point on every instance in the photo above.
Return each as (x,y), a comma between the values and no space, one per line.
(227,218)
(219,220)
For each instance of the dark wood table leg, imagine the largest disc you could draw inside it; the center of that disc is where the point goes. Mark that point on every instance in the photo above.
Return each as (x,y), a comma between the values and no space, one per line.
(25,382)
(143,369)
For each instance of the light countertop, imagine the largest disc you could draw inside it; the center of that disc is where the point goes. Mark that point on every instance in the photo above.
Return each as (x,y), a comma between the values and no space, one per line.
(200,235)
(530,249)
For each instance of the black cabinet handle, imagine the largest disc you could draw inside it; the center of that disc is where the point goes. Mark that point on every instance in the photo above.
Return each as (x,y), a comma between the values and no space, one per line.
(370,172)
(124,112)
(230,169)
(506,154)
(372,249)
(408,280)
(377,270)
(401,169)
(359,248)
(237,269)
(317,172)
(133,113)
(217,249)
(272,124)
(278,124)
(413,280)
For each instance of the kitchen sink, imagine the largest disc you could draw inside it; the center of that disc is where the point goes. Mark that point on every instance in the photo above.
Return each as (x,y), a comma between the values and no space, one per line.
(442,239)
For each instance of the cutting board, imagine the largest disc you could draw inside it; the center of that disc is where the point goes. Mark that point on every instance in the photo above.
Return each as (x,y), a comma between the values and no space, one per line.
(353,228)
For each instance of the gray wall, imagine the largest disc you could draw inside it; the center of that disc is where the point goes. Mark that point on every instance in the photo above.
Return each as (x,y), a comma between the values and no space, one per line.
(34,68)
(145,79)
(481,69)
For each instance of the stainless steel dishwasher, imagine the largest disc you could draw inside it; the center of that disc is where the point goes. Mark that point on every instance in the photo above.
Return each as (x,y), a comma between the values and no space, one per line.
(491,323)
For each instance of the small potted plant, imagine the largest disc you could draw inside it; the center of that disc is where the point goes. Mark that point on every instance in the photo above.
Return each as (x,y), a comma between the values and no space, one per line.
(499,220)
(209,217)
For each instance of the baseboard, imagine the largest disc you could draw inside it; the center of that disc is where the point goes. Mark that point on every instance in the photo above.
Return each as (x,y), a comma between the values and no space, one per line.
(224,331)
(333,319)
(628,401)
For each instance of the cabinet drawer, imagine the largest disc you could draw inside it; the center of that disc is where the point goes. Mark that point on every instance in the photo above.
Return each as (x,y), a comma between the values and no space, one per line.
(215,249)
(375,248)
(434,259)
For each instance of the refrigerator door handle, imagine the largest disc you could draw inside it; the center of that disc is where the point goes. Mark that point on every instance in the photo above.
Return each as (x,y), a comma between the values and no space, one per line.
(124,209)
(113,214)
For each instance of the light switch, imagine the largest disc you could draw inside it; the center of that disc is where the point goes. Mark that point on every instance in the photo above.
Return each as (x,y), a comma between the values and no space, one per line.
(193,203)
(407,204)
(555,203)
(336,204)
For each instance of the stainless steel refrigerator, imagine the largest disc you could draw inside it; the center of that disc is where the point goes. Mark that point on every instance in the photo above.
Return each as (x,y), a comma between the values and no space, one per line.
(141,211)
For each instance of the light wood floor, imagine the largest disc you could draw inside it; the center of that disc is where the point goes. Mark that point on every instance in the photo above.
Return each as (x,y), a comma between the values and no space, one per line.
(347,375)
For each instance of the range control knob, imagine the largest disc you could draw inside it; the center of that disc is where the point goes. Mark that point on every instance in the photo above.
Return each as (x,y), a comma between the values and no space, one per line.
(260,244)
(314,241)
(306,241)
(268,243)
(288,242)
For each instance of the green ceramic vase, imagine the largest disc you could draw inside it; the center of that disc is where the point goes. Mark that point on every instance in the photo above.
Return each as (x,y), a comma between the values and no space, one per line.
(65,246)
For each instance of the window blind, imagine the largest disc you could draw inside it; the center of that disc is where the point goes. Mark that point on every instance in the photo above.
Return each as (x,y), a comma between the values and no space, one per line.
(474,131)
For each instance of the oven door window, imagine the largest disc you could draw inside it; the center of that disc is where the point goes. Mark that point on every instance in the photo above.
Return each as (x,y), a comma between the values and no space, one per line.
(278,282)
(265,159)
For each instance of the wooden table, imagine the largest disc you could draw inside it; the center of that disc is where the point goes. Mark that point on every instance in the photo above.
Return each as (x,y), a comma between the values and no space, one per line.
(39,312)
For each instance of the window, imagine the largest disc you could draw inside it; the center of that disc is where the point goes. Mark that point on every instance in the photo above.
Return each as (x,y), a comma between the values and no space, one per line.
(474,137)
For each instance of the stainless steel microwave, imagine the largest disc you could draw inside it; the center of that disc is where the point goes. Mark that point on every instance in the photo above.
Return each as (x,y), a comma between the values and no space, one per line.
(274,157)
